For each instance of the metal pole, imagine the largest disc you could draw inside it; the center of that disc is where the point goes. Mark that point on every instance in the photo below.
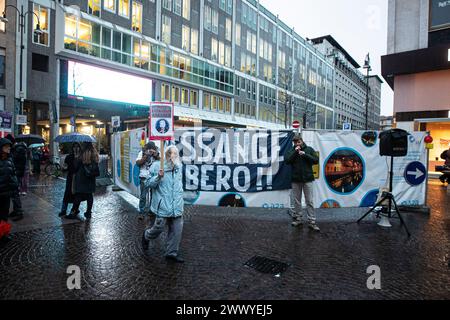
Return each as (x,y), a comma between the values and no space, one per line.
(22,25)
(367,99)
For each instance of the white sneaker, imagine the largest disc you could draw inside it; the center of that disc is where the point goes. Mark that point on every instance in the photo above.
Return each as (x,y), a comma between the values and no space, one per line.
(297,223)
(314,227)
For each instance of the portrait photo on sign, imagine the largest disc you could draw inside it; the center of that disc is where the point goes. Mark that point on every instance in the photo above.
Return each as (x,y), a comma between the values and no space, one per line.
(162,126)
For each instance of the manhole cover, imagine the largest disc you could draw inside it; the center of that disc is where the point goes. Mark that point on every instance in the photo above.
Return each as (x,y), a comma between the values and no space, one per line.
(265,265)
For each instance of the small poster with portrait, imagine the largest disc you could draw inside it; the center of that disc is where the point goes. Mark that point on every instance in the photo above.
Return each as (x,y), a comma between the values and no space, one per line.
(161,121)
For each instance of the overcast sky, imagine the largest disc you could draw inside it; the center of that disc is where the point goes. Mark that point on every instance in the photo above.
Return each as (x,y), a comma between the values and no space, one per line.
(360,26)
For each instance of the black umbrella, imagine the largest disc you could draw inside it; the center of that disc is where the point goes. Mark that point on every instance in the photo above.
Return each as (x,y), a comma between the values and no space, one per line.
(30,138)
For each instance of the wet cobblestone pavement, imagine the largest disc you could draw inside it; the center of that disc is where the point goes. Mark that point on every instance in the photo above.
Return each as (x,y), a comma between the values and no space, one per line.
(216,244)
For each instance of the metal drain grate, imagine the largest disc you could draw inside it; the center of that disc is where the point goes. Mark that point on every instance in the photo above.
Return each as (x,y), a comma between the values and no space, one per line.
(265,265)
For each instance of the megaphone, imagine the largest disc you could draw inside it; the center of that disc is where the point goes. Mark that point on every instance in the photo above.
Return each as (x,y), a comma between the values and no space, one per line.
(384,222)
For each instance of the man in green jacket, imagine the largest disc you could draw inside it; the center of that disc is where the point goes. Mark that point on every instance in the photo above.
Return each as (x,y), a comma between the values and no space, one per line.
(302,158)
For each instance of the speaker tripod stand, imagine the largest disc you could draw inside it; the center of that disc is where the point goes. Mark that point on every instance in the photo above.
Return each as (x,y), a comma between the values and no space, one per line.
(388,196)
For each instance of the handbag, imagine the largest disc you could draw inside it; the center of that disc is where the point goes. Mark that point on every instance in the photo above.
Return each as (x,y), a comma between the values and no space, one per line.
(91,170)
(5,228)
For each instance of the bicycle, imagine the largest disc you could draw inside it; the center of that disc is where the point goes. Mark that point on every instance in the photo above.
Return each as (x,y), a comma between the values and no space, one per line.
(53,168)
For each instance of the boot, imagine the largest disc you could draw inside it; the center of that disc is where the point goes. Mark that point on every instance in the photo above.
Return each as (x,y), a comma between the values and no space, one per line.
(16,215)
(72,215)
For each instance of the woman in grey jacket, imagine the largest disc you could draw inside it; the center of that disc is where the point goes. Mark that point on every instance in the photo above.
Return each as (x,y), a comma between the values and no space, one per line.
(167,203)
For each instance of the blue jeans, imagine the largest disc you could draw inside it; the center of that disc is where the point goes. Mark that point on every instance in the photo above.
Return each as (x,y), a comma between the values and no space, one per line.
(144,197)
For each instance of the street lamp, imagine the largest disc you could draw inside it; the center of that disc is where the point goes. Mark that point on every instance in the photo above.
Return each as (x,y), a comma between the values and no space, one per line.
(368,67)
(22,16)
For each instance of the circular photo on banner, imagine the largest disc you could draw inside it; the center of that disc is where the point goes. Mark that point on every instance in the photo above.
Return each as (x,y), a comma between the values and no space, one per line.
(232,200)
(190,197)
(369,138)
(330,204)
(162,126)
(344,171)
(130,172)
(136,173)
(369,199)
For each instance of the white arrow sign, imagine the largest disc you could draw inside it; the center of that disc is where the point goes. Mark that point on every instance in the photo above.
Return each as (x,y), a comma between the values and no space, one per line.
(417,173)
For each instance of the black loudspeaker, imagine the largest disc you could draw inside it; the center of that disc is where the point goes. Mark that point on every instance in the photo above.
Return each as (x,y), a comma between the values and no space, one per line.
(394,143)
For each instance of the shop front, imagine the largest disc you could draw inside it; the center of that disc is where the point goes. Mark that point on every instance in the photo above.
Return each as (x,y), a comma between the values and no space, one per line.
(439,129)
(90,96)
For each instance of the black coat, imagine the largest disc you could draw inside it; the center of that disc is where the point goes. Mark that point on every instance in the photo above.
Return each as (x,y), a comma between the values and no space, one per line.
(8,178)
(19,153)
(82,182)
(70,162)
(302,170)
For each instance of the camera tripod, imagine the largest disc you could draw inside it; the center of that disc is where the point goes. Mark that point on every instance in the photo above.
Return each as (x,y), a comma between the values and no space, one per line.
(388,196)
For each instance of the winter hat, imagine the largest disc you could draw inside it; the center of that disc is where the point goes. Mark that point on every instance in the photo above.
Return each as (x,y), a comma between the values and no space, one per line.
(10,137)
(151,146)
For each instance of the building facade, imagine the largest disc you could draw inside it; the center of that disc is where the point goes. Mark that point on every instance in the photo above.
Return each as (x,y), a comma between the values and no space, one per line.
(7,63)
(417,67)
(221,62)
(386,123)
(375,83)
(351,87)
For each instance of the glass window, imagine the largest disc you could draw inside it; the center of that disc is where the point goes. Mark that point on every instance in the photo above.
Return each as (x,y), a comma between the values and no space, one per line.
(215,21)
(124,8)
(214,103)
(2,103)
(207,18)
(193,97)
(230,6)
(222,4)
(228,56)
(167,4)
(228,29)
(194,41)
(228,105)
(221,53)
(2,67)
(175,94)
(184,96)
(109,5)
(206,101)
(166,29)
(136,23)
(2,9)
(185,36)
(44,24)
(177,7)
(238,34)
(214,49)
(221,105)
(85,30)
(94,7)
(165,92)
(187,9)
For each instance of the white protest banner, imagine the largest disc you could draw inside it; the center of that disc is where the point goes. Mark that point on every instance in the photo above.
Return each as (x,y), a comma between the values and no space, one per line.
(352,171)
(245,167)
(127,146)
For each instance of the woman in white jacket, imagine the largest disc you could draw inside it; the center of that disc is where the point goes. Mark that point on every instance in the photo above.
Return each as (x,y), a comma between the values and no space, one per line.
(167,203)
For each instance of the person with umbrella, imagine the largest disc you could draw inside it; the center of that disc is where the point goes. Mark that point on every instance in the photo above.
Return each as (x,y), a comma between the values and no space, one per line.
(36,157)
(19,156)
(70,161)
(86,170)
(8,180)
